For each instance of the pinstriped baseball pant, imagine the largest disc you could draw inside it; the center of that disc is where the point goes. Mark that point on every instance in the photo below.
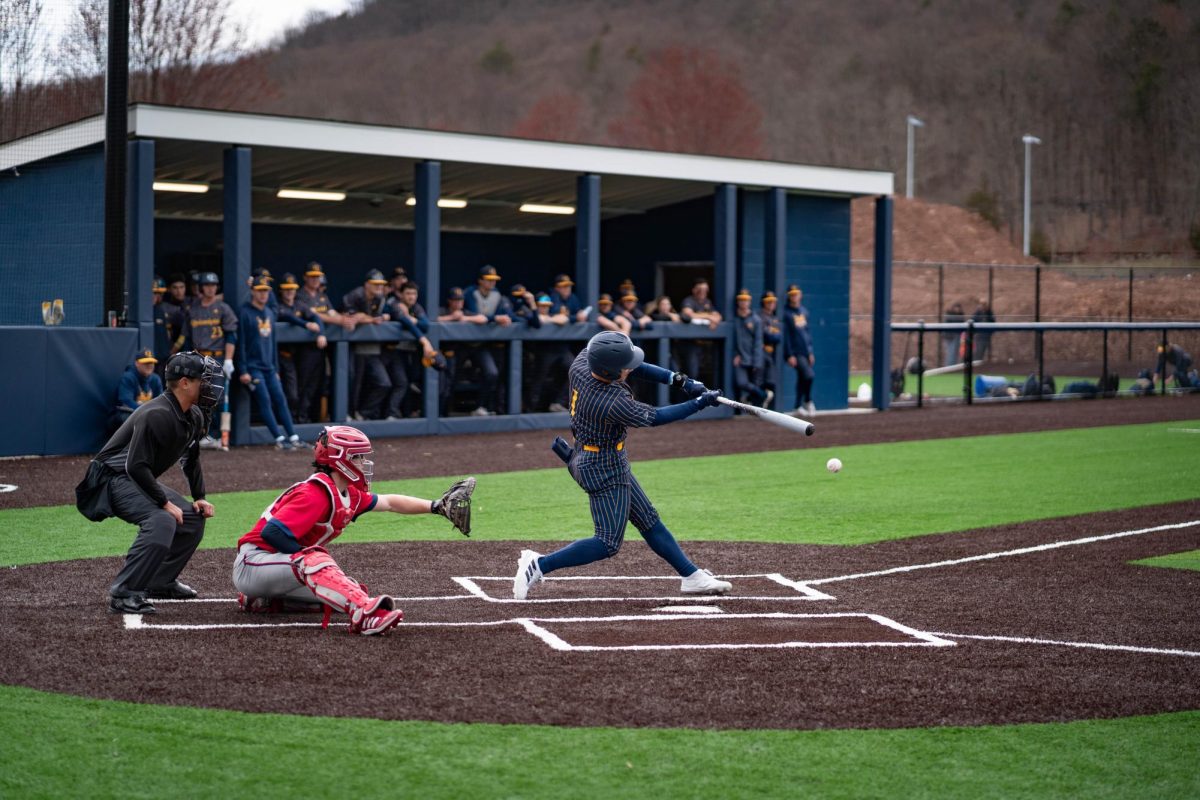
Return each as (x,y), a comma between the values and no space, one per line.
(617,503)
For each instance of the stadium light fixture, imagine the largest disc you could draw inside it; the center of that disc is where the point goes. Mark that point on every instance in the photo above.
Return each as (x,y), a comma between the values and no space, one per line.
(178,186)
(443,202)
(310,194)
(912,123)
(538,208)
(1029,141)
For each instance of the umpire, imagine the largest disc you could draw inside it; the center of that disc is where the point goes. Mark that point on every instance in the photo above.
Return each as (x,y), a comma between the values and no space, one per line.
(122,481)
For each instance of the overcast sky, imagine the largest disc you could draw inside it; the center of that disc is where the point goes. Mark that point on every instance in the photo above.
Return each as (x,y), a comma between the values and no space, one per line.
(264,19)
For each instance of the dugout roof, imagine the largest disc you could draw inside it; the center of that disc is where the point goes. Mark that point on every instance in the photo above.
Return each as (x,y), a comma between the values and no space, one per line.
(373,165)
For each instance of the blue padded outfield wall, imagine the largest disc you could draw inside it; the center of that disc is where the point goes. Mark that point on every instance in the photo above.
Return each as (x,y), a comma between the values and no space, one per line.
(67,388)
(52,239)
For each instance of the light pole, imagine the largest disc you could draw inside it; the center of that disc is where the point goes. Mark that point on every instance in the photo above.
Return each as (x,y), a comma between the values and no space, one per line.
(1028,139)
(913,122)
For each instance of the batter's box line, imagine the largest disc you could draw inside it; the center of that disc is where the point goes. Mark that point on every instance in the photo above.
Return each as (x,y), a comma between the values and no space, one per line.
(1126,648)
(804,591)
(556,642)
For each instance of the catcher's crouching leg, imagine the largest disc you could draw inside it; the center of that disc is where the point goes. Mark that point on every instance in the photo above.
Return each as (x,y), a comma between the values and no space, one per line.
(324,578)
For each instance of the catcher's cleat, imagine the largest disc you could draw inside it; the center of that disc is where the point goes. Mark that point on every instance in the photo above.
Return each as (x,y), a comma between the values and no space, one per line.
(133,604)
(702,582)
(528,574)
(376,617)
(177,590)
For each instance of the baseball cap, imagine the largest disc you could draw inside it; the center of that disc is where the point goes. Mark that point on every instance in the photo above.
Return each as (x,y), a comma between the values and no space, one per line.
(160,286)
(288,281)
(205,278)
(604,300)
(793,289)
(563,279)
(488,273)
(518,290)
(629,294)
(314,270)
(743,294)
(626,285)
(454,293)
(768,295)
(399,272)
(260,279)
(375,276)
(543,300)
(146,357)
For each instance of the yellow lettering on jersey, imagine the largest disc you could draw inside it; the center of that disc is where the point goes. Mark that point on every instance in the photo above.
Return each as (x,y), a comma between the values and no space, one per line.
(574,400)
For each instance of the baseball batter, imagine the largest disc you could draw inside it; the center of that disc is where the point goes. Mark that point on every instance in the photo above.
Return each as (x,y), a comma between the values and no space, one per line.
(282,564)
(602,410)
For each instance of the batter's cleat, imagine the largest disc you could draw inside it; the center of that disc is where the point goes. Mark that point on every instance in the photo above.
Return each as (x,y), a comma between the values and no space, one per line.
(528,574)
(377,617)
(132,604)
(174,591)
(702,582)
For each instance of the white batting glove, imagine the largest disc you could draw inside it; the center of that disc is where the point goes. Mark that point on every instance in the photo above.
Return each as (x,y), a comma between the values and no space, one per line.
(227,368)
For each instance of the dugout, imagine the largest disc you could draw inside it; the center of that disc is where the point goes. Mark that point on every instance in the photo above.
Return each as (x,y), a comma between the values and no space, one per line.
(633,214)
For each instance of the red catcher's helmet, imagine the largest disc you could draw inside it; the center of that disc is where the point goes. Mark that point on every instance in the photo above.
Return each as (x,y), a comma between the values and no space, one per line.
(345,449)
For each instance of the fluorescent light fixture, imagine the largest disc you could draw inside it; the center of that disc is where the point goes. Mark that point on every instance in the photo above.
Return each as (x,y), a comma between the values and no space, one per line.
(443,202)
(535,208)
(310,194)
(175,186)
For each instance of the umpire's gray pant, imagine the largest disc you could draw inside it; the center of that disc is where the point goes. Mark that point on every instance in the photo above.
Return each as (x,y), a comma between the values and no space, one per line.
(162,547)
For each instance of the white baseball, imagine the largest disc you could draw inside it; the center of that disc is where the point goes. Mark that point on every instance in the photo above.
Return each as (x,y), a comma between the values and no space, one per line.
(833,464)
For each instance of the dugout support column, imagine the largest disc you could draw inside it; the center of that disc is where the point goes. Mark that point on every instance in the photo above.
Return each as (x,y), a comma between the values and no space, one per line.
(587,238)
(427,261)
(139,237)
(881,334)
(725,240)
(235,266)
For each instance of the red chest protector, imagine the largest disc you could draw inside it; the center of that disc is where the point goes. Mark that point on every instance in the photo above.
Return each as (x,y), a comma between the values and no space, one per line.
(341,511)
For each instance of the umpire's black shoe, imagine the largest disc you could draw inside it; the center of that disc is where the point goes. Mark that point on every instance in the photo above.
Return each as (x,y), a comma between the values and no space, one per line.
(174,591)
(133,604)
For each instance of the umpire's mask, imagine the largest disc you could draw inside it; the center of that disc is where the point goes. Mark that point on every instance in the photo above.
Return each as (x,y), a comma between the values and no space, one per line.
(205,369)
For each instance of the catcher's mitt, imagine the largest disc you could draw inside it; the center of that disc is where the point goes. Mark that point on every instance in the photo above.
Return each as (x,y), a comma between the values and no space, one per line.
(455,505)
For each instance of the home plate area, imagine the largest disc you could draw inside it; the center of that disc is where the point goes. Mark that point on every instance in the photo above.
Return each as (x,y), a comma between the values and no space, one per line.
(592,613)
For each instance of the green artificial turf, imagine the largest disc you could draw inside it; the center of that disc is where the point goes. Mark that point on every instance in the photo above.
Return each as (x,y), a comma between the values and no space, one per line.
(950,384)
(1187,560)
(59,746)
(884,491)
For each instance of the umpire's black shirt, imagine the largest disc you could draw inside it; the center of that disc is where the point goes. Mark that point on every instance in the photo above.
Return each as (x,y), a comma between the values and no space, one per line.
(156,435)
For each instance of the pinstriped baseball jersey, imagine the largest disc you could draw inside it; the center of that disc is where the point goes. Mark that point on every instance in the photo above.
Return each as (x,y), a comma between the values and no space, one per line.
(601,413)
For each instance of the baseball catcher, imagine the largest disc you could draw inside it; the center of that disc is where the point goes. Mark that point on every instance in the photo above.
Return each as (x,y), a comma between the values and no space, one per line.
(282,564)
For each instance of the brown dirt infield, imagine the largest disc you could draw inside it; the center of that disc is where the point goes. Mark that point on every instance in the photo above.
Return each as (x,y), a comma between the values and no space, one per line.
(466,660)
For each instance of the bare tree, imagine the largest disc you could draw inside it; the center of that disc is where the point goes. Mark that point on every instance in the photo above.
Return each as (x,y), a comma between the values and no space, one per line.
(21,50)
(181,52)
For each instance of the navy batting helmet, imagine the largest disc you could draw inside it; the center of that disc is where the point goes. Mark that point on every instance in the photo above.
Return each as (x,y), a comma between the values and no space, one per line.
(610,352)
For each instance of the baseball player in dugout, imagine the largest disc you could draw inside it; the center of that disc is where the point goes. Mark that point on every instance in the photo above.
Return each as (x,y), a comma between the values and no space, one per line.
(282,564)
(211,330)
(747,350)
(602,410)
(258,365)
(122,481)
(772,336)
(798,349)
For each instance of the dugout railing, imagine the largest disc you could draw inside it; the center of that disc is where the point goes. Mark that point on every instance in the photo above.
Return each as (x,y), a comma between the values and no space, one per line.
(656,342)
(970,328)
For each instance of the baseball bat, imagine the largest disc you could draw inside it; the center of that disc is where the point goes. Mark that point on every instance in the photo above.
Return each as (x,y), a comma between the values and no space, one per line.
(226,421)
(773,417)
